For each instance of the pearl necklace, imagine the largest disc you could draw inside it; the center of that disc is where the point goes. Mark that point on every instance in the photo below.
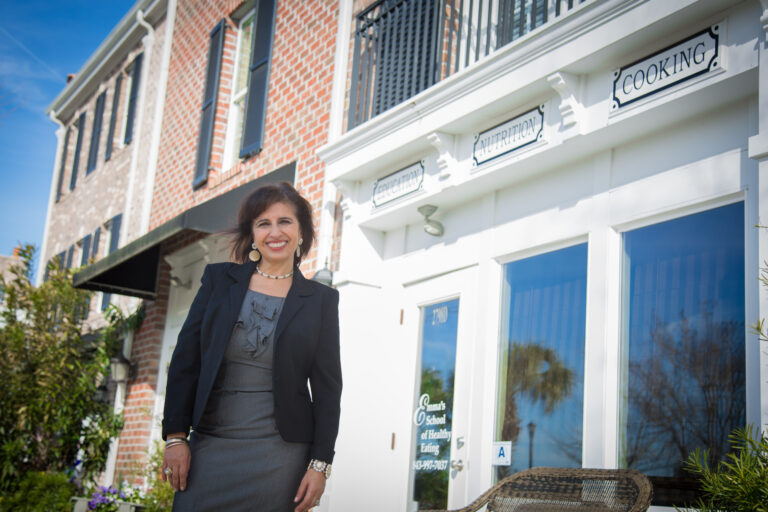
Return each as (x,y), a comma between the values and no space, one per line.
(270,276)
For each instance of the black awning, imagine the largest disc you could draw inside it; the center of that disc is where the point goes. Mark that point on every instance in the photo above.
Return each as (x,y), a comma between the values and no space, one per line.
(133,269)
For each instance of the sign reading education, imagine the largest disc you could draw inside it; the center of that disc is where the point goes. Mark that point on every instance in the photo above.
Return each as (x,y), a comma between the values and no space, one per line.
(398,184)
(675,64)
(509,136)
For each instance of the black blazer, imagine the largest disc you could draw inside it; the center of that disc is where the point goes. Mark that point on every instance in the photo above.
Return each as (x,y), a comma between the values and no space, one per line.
(306,349)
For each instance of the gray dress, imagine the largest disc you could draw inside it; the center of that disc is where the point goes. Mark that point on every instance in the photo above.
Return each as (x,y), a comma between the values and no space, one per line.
(239,460)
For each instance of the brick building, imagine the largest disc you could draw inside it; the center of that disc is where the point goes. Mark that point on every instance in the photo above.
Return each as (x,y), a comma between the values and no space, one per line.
(243,98)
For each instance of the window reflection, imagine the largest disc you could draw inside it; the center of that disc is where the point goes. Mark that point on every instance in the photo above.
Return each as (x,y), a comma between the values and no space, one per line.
(684,339)
(542,360)
(433,411)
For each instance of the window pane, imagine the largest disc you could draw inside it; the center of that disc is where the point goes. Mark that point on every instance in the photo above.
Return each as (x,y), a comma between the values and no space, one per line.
(541,384)
(684,339)
(433,411)
(244,55)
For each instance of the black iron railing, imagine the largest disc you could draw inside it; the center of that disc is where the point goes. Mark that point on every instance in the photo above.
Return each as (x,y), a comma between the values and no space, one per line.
(405,46)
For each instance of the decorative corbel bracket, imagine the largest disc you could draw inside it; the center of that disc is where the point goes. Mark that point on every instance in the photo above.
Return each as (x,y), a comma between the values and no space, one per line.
(444,144)
(346,188)
(567,86)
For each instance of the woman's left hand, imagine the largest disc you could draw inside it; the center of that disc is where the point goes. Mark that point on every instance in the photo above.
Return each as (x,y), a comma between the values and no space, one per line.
(310,490)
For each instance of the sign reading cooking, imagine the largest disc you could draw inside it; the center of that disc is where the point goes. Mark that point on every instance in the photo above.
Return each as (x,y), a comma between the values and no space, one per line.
(675,64)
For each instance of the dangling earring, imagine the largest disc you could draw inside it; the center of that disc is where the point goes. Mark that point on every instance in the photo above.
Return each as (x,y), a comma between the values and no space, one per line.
(298,248)
(254,255)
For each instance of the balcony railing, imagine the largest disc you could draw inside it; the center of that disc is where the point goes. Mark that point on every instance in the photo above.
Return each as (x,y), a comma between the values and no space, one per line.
(405,46)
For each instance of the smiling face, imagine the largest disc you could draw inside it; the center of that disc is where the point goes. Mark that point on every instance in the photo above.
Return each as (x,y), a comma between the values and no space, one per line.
(276,232)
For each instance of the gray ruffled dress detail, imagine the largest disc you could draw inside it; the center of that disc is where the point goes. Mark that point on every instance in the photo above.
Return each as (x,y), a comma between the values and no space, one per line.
(239,460)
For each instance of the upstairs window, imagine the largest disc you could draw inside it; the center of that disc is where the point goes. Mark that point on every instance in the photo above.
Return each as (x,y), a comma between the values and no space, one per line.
(62,169)
(98,115)
(252,138)
(239,90)
(78,145)
(135,73)
(248,102)
(113,118)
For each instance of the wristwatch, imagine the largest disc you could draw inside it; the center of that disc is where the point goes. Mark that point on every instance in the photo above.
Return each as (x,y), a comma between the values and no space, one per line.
(320,467)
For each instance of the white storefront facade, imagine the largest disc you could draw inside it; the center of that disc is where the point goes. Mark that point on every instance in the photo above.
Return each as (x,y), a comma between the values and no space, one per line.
(582,292)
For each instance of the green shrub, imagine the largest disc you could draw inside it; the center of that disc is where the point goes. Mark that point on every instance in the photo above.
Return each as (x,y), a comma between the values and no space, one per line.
(740,482)
(159,494)
(52,372)
(41,492)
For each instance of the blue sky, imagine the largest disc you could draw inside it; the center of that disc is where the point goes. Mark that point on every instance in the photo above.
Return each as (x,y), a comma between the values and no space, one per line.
(40,43)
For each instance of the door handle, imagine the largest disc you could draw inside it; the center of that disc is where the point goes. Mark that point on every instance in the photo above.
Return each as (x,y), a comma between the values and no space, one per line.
(458,465)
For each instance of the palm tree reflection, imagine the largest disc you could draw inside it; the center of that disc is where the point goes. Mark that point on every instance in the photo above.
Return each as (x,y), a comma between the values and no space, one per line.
(537,373)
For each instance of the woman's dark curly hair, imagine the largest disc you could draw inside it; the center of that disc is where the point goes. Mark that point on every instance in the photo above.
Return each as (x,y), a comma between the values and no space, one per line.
(256,203)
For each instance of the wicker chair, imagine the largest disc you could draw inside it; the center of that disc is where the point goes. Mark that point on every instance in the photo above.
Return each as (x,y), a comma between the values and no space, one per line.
(565,489)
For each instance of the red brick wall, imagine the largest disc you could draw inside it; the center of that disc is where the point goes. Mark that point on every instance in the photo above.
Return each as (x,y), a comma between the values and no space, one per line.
(298,105)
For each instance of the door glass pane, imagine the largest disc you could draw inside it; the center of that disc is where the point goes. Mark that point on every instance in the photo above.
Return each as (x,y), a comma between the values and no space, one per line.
(433,410)
(541,384)
(684,336)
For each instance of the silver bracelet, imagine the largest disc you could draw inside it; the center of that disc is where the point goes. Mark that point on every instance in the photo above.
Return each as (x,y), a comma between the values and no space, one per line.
(173,441)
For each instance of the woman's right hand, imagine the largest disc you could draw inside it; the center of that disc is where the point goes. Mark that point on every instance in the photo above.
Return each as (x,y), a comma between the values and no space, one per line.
(177,458)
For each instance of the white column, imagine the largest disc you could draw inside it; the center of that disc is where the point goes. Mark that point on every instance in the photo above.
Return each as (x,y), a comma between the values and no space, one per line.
(147,42)
(157,121)
(51,197)
(758,150)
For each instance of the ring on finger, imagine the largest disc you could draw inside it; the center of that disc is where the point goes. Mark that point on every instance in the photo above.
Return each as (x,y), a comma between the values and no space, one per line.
(168,471)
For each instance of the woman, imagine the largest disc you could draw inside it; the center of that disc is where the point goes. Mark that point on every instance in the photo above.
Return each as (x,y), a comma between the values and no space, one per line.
(256,332)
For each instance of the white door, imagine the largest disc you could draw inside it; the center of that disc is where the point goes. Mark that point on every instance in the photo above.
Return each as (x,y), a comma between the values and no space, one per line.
(179,300)
(441,312)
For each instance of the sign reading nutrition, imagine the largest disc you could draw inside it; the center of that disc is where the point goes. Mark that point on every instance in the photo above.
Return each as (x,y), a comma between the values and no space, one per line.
(509,136)
(398,184)
(675,64)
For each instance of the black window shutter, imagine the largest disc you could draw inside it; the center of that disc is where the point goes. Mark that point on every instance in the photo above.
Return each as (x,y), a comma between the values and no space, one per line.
(60,259)
(258,80)
(135,80)
(78,145)
(63,163)
(113,119)
(70,253)
(114,232)
(96,238)
(208,114)
(98,115)
(85,243)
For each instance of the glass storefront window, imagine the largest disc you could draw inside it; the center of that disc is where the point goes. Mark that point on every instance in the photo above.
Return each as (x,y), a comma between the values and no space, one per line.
(433,411)
(684,340)
(541,382)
